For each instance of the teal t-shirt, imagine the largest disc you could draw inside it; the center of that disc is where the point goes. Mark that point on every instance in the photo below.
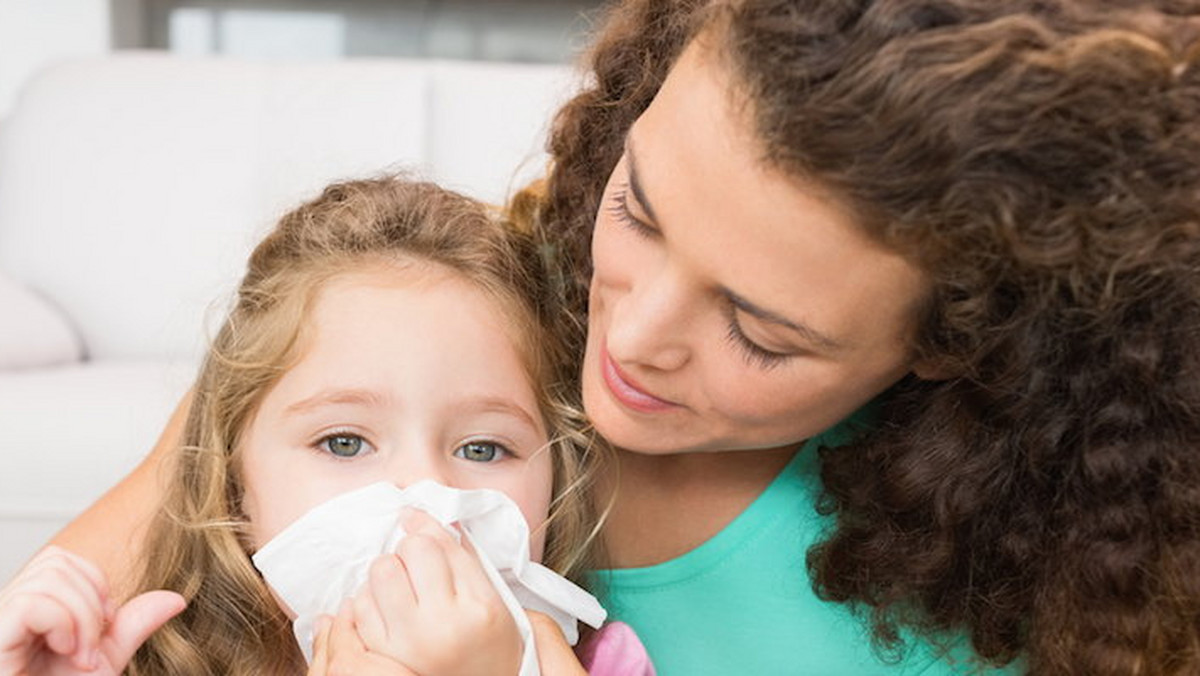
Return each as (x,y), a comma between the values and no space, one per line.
(742,602)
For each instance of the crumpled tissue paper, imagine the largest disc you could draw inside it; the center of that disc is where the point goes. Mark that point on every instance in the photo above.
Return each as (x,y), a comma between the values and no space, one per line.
(324,556)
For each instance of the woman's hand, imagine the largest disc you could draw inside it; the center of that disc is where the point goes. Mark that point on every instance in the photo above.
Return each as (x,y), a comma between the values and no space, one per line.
(555,657)
(431,607)
(56,617)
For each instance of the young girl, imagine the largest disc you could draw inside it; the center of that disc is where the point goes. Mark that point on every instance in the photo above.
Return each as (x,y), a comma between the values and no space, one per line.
(387,331)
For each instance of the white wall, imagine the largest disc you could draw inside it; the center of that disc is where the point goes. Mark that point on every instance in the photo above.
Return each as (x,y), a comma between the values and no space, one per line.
(34,33)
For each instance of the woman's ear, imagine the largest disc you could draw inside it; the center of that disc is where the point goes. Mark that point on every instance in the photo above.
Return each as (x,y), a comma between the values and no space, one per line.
(935,368)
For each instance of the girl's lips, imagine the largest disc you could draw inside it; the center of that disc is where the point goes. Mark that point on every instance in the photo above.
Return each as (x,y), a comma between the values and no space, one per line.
(628,392)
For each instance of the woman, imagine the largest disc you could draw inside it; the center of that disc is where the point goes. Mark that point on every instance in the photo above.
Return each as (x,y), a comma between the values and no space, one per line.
(974,223)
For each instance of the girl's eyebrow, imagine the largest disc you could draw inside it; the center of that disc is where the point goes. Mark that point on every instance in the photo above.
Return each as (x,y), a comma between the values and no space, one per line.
(635,186)
(370,398)
(503,405)
(336,397)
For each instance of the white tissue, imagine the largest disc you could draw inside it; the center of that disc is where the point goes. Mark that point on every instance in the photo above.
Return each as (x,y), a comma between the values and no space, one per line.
(324,556)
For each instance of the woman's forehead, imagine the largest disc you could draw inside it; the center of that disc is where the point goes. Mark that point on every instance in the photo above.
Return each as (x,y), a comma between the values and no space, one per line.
(739,225)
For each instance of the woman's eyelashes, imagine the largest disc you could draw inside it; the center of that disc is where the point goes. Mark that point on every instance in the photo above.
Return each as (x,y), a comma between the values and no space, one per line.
(620,211)
(755,354)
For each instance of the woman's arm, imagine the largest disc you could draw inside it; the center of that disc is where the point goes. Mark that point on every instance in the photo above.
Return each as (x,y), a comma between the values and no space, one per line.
(110,532)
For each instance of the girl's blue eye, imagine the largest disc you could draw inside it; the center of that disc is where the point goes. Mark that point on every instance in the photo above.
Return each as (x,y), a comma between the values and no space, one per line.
(480,451)
(343,445)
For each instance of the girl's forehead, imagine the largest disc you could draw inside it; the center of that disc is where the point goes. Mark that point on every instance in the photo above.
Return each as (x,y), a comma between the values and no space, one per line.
(431,341)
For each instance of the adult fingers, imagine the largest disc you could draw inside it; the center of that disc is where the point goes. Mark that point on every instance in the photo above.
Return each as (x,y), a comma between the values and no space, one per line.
(555,657)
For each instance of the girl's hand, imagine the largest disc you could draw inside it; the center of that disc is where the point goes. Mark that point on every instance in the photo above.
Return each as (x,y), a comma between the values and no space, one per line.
(56,617)
(432,608)
(338,651)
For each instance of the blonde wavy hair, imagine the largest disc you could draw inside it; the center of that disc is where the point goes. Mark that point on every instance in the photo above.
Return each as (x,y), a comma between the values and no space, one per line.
(199,544)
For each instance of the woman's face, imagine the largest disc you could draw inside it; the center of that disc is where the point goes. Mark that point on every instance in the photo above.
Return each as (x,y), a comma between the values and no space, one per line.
(731,307)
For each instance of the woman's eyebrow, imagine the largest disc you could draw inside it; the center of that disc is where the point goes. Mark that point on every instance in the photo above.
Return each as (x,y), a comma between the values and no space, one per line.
(635,186)
(807,332)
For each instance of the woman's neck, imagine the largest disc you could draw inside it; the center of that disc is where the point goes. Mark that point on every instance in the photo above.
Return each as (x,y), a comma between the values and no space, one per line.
(667,505)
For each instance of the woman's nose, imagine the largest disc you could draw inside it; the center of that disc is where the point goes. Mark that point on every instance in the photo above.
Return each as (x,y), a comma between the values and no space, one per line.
(648,324)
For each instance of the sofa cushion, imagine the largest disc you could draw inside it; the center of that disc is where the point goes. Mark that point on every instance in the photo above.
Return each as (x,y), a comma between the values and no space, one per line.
(133,187)
(69,434)
(36,333)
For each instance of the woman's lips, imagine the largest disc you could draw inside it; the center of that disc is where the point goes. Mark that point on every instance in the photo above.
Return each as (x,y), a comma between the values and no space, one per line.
(628,392)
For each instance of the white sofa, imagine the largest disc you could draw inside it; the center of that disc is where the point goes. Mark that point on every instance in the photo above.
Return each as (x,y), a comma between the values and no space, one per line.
(132,187)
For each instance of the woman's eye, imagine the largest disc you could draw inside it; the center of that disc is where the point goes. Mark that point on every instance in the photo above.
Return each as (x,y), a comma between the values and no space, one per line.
(480,451)
(620,211)
(343,445)
(754,353)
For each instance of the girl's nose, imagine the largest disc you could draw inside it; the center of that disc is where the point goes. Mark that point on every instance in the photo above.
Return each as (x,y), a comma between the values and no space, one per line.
(418,464)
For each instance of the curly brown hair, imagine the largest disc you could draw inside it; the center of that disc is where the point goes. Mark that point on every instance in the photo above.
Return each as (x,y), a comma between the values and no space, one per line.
(200,537)
(1040,161)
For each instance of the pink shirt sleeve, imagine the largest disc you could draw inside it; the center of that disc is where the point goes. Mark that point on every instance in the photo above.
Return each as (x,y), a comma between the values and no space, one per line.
(615,651)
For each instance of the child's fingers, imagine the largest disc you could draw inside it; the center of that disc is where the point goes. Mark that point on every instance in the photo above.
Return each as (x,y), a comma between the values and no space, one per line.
(56,558)
(344,637)
(417,521)
(424,559)
(35,614)
(349,655)
(85,568)
(391,587)
(56,568)
(328,651)
(136,620)
(54,561)
(320,650)
(75,590)
(369,620)
(470,579)
(62,583)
